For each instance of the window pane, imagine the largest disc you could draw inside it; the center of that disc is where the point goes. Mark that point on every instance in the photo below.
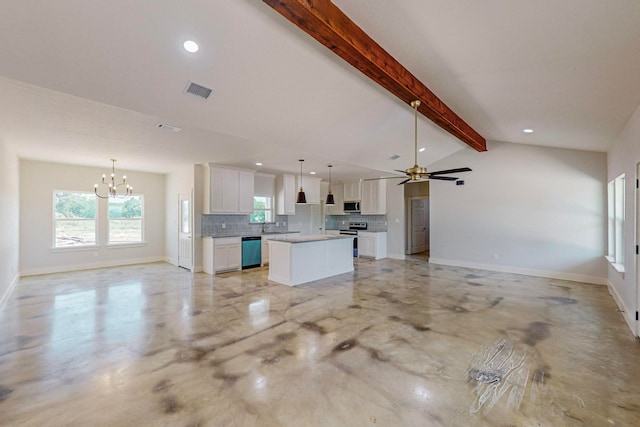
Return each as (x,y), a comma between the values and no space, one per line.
(74,219)
(75,205)
(619,219)
(125,219)
(611,220)
(262,209)
(75,233)
(185,223)
(125,230)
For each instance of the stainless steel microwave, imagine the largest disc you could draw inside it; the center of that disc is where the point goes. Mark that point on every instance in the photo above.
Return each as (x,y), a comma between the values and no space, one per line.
(352,206)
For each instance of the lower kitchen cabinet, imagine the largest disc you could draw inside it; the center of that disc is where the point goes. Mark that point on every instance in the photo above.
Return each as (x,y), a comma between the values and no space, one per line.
(265,243)
(221,254)
(265,250)
(227,254)
(372,245)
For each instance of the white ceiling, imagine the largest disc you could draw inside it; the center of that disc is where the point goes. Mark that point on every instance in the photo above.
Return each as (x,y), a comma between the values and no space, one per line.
(85,81)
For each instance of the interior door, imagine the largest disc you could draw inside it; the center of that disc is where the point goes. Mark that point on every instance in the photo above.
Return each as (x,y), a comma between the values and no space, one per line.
(185,233)
(419,225)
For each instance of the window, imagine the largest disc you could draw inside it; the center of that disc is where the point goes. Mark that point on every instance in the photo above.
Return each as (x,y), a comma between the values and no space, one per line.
(125,219)
(615,191)
(74,219)
(262,209)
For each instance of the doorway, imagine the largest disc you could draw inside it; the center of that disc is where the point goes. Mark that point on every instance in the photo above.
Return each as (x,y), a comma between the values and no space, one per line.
(418,226)
(185,232)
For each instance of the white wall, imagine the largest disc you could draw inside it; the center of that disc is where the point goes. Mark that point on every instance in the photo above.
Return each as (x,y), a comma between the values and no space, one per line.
(38,181)
(9,220)
(539,210)
(395,220)
(306,220)
(184,180)
(622,158)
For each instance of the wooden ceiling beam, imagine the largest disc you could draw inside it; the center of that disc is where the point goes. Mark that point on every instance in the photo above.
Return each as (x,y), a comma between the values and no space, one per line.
(323,21)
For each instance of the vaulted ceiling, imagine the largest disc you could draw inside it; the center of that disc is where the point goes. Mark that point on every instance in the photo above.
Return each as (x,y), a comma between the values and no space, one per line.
(83,81)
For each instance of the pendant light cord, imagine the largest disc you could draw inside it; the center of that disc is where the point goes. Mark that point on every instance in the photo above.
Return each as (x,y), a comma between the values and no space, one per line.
(415,104)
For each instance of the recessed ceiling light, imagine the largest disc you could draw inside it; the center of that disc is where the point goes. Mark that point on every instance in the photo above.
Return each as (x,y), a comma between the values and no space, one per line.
(191,46)
(527,130)
(258,163)
(422,149)
(312,173)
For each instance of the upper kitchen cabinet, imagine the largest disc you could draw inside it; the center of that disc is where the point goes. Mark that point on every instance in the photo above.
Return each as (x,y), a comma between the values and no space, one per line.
(285,195)
(374,197)
(230,190)
(311,188)
(352,191)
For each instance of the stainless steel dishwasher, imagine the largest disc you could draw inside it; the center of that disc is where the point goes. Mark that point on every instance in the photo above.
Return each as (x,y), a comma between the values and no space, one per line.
(251,252)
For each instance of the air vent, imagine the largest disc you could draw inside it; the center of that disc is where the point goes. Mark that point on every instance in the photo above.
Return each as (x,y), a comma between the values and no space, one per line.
(394,157)
(198,91)
(167,127)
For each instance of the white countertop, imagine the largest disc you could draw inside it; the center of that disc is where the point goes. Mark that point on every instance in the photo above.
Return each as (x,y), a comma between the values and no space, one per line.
(316,238)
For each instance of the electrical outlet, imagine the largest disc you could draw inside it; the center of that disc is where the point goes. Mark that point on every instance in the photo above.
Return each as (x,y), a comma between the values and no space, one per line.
(495,256)
(224,225)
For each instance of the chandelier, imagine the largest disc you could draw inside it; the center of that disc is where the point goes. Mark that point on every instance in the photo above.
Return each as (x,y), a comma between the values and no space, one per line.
(113,187)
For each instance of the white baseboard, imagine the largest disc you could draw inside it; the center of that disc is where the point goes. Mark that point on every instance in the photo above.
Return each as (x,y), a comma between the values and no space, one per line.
(525,271)
(88,266)
(396,256)
(629,316)
(9,291)
(172,261)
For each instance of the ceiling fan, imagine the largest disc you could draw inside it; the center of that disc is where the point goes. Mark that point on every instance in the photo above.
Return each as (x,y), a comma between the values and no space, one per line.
(417,173)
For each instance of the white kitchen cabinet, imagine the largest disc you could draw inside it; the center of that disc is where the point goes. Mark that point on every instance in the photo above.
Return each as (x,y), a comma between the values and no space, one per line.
(352,191)
(311,188)
(372,245)
(245,191)
(265,243)
(230,190)
(374,197)
(265,250)
(227,254)
(338,197)
(286,195)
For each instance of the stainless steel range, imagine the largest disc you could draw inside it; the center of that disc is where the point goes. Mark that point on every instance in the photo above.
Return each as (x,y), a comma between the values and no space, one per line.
(353,229)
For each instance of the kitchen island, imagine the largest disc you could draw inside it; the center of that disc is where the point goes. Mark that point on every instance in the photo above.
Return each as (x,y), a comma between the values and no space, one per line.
(303,259)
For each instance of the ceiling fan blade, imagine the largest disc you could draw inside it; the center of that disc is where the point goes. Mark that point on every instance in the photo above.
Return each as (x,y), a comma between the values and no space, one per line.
(450,171)
(405,181)
(398,170)
(443,178)
(383,177)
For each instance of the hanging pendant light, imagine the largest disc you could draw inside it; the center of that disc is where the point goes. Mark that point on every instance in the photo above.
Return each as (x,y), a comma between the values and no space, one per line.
(302,198)
(330,200)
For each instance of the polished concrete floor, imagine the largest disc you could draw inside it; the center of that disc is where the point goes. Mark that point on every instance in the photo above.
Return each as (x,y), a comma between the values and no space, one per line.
(397,343)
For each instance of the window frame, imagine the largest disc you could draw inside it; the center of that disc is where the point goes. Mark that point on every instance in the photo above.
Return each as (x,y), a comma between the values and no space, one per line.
(616,189)
(55,220)
(269,211)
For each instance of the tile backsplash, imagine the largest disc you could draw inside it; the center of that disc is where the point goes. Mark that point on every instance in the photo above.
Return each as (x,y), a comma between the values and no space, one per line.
(238,225)
(374,222)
